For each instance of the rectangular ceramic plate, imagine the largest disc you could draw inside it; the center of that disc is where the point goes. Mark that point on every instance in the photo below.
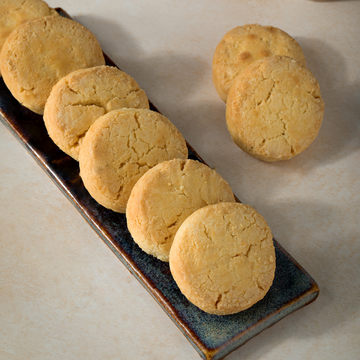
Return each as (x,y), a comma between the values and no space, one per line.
(212,336)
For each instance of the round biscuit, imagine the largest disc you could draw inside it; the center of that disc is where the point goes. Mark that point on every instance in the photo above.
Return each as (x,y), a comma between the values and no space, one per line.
(242,46)
(81,97)
(274,109)
(223,258)
(14,12)
(165,196)
(40,52)
(120,147)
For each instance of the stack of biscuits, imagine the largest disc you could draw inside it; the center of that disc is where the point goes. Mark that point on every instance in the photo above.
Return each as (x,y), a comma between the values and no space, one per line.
(274,108)
(133,160)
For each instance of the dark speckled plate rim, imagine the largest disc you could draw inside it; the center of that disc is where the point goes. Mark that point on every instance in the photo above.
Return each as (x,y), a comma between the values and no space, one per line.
(205,352)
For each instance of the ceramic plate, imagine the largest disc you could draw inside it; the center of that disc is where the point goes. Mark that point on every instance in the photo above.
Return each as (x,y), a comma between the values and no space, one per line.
(212,336)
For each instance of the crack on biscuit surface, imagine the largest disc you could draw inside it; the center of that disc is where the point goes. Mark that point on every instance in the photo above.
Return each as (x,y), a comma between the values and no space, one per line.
(217,302)
(22,89)
(88,100)
(79,138)
(19,7)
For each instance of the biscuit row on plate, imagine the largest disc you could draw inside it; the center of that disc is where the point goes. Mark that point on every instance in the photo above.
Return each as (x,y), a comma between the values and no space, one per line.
(220,252)
(134,160)
(274,108)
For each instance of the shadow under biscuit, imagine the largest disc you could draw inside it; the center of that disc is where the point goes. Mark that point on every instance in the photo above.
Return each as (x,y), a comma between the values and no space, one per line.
(323,257)
(180,77)
(169,79)
(337,140)
(340,130)
(329,239)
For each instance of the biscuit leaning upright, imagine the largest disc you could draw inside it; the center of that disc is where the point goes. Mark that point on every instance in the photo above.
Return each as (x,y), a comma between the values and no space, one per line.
(14,12)
(81,97)
(165,196)
(243,45)
(120,147)
(274,109)
(40,52)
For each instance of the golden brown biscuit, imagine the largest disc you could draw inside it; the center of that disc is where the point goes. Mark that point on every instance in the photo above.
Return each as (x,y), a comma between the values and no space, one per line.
(242,46)
(165,196)
(15,12)
(223,258)
(120,147)
(81,97)
(274,109)
(41,51)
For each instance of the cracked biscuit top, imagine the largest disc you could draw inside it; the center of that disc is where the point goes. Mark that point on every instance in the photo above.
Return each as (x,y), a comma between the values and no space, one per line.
(40,52)
(223,258)
(274,109)
(81,97)
(165,196)
(14,12)
(242,46)
(120,147)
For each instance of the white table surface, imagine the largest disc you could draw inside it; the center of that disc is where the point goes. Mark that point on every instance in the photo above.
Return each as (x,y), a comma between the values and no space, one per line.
(64,294)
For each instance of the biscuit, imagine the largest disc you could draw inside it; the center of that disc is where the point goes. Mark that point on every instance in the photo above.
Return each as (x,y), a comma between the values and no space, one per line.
(15,12)
(41,51)
(165,196)
(274,109)
(79,98)
(223,258)
(120,147)
(245,44)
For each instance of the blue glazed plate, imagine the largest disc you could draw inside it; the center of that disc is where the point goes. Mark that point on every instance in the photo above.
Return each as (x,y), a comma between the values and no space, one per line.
(212,336)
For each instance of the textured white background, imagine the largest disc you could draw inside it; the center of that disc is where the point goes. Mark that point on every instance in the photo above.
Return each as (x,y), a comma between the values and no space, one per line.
(64,295)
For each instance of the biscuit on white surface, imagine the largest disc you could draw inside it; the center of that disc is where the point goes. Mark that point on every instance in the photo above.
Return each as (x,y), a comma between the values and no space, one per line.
(242,46)
(274,109)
